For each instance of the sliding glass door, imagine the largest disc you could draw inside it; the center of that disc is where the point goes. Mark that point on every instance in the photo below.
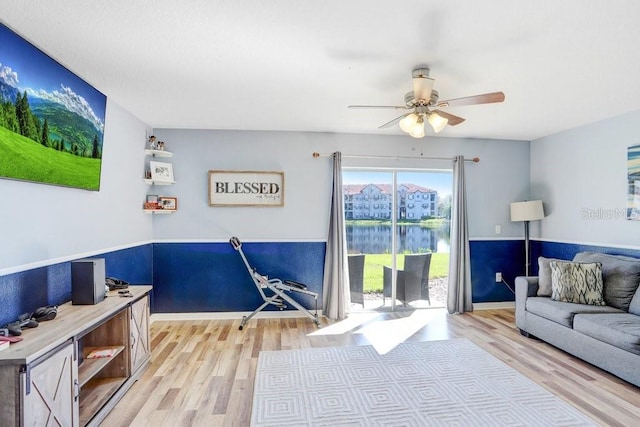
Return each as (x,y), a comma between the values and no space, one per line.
(397,228)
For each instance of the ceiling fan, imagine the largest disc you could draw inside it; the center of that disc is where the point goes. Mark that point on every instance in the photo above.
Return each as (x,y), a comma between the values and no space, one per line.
(424,103)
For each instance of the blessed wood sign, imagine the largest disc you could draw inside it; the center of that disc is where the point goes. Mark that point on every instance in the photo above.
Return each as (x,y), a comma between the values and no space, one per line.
(246,188)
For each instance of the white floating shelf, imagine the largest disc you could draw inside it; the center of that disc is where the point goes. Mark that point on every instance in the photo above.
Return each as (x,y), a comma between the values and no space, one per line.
(158,211)
(152,182)
(159,153)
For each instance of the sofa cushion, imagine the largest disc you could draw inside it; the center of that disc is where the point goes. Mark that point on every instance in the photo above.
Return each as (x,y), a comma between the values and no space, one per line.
(544,276)
(621,330)
(580,283)
(634,306)
(620,276)
(563,312)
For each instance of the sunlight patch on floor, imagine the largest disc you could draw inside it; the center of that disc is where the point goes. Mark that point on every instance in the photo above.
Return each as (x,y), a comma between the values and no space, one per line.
(386,335)
(347,325)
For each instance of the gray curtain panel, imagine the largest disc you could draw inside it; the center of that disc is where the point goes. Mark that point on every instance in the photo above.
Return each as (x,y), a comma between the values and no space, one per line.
(335,289)
(459,291)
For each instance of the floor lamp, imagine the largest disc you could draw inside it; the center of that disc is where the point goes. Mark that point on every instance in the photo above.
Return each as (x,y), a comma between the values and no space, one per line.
(531,210)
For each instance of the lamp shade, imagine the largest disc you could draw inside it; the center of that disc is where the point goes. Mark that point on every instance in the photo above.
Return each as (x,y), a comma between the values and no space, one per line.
(437,122)
(407,123)
(531,210)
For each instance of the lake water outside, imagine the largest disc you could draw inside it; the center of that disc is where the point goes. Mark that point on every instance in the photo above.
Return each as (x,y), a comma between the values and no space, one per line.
(413,238)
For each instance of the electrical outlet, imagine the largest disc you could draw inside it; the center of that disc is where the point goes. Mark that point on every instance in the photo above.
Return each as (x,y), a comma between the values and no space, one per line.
(498,277)
(498,229)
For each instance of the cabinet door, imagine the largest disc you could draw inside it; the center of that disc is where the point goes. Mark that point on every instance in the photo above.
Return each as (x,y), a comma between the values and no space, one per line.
(49,390)
(139,325)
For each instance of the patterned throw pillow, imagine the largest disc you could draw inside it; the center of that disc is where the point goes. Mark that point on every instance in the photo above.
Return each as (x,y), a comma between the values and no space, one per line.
(580,283)
(544,276)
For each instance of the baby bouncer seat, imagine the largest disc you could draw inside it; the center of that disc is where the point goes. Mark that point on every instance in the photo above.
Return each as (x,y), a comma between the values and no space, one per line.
(275,291)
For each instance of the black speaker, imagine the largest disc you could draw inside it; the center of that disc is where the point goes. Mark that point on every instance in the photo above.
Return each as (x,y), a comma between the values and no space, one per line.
(87,281)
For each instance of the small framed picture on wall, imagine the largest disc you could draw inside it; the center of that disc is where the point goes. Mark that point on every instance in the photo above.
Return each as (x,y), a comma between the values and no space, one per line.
(168,203)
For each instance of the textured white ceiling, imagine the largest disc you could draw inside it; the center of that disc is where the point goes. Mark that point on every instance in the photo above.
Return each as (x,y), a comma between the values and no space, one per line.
(296,64)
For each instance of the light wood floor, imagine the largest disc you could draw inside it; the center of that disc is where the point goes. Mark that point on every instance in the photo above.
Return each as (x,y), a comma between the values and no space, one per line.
(202,372)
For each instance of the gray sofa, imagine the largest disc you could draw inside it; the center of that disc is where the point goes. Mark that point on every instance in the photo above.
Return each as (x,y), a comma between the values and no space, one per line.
(607,336)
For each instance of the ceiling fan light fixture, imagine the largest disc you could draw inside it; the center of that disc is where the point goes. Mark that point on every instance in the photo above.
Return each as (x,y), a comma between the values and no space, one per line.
(437,122)
(418,128)
(422,87)
(408,122)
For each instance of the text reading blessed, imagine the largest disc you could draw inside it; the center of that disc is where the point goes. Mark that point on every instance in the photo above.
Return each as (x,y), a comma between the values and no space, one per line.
(247,187)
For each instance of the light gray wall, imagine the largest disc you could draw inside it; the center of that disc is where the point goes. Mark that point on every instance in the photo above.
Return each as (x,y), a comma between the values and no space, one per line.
(501,177)
(42,224)
(45,224)
(581,176)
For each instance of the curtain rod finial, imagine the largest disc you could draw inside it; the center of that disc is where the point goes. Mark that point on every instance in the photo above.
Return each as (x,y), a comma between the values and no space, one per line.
(316,154)
(476,159)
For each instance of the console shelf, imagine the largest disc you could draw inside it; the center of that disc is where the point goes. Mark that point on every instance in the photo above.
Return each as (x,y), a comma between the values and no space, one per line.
(90,367)
(48,375)
(98,392)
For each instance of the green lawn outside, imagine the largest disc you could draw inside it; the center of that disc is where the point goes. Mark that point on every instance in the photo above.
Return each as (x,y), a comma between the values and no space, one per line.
(373,264)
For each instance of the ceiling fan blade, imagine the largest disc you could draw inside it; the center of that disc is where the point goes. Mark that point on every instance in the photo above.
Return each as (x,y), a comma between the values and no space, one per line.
(394,107)
(453,120)
(393,122)
(486,98)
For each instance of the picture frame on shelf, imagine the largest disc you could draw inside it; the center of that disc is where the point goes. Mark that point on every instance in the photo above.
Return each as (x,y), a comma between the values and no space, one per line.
(168,203)
(161,171)
(152,198)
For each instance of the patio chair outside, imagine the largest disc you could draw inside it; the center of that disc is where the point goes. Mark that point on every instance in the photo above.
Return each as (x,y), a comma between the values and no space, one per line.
(356,278)
(412,282)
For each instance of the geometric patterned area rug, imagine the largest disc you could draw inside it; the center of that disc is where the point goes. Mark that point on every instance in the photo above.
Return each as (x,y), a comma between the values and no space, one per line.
(452,382)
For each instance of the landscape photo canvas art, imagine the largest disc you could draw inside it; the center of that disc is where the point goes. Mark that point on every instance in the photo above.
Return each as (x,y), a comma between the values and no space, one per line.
(633,183)
(51,121)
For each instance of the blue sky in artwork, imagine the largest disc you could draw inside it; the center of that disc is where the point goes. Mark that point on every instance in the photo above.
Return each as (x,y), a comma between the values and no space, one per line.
(26,67)
(441,181)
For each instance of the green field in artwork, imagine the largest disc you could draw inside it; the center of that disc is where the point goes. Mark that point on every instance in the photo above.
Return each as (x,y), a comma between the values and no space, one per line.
(24,159)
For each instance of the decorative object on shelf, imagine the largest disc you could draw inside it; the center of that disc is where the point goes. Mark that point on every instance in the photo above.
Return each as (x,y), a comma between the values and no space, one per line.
(160,145)
(526,211)
(161,172)
(168,203)
(152,202)
(246,188)
(160,205)
(151,144)
(633,183)
(101,352)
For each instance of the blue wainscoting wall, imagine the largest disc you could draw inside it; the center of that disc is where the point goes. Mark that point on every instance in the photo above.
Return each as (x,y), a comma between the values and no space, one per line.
(206,277)
(25,291)
(209,277)
(489,257)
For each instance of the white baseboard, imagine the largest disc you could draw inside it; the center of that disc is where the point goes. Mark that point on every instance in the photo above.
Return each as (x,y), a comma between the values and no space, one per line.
(226,315)
(494,305)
